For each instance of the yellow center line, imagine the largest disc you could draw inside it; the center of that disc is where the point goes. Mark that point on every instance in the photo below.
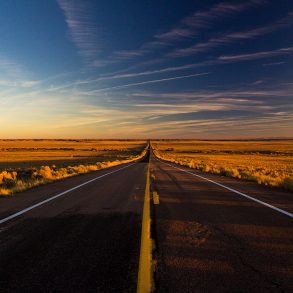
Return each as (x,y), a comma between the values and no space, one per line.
(145,282)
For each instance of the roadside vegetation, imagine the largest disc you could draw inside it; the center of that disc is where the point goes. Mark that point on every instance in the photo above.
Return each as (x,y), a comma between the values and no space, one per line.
(268,163)
(107,154)
(15,154)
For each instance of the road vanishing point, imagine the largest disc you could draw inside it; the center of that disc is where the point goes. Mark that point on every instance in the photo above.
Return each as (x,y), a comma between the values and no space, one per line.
(147,226)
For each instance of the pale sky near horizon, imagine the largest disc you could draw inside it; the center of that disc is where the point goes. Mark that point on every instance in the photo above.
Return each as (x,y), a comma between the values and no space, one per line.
(156,69)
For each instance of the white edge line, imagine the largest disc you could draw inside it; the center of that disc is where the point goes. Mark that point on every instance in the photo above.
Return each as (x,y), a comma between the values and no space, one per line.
(57,195)
(235,191)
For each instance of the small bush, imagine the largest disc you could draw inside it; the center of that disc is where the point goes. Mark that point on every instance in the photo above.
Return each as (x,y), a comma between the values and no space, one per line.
(11,182)
(4,191)
(46,172)
(261,174)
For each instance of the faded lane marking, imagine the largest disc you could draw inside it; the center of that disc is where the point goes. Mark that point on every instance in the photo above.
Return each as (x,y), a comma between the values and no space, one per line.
(156,198)
(233,190)
(57,195)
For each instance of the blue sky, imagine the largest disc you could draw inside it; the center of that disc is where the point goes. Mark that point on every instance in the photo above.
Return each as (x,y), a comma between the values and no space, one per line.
(135,69)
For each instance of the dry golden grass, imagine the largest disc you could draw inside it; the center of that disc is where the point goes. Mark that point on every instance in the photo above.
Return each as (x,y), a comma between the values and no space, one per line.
(16,154)
(36,172)
(73,143)
(266,162)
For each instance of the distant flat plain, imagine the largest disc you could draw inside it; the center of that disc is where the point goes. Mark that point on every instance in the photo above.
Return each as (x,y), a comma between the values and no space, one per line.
(268,162)
(19,154)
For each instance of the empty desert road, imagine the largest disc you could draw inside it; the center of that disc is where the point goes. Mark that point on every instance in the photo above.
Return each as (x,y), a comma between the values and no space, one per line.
(210,239)
(87,240)
(85,234)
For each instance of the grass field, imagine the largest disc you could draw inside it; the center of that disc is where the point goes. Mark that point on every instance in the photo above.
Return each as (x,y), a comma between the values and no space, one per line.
(16,154)
(266,162)
(28,163)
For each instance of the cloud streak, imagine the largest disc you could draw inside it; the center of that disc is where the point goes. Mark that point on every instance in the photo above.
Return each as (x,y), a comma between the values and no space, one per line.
(14,75)
(225,95)
(217,61)
(82,28)
(148,82)
(224,59)
(232,37)
(274,63)
(142,73)
(189,27)
(257,55)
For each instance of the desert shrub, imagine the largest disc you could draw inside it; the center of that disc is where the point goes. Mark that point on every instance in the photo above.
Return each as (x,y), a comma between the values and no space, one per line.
(256,169)
(5,191)
(27,174)
(8,183)
(11,182)
(46,172)
(235,173)
(62,172)
(7,176)
(207,168)
(8,179)
(92,168)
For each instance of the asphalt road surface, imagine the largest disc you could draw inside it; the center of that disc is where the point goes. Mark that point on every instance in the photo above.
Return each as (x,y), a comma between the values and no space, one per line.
(87,239)
(210,239)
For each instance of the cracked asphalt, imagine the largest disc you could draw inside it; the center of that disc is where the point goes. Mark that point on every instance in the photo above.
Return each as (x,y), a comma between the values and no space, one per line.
(209,239)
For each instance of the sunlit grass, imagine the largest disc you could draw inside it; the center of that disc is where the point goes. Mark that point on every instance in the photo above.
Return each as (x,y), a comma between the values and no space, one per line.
(265,162)
(22,154)
(12,181)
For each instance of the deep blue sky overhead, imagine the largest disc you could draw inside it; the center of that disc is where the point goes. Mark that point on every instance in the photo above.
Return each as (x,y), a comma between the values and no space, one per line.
(156,68)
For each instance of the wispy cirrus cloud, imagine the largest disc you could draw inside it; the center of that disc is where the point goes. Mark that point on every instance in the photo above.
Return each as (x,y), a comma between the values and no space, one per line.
(14,75)
(196,22)
(228,38)
(19,83)
(236,95)
(257,55)
(175,34)
(130,75)
(205,117)
(128,54)
(82,27)
(189,27)
(146,82)
(218,60)
(274,63)
(10,68)
(256,126)
(223,9)
(223,59)
(141,73)
(214,110)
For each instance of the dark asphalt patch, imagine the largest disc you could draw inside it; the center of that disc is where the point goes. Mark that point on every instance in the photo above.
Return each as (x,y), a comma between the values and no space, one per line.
(76,253)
